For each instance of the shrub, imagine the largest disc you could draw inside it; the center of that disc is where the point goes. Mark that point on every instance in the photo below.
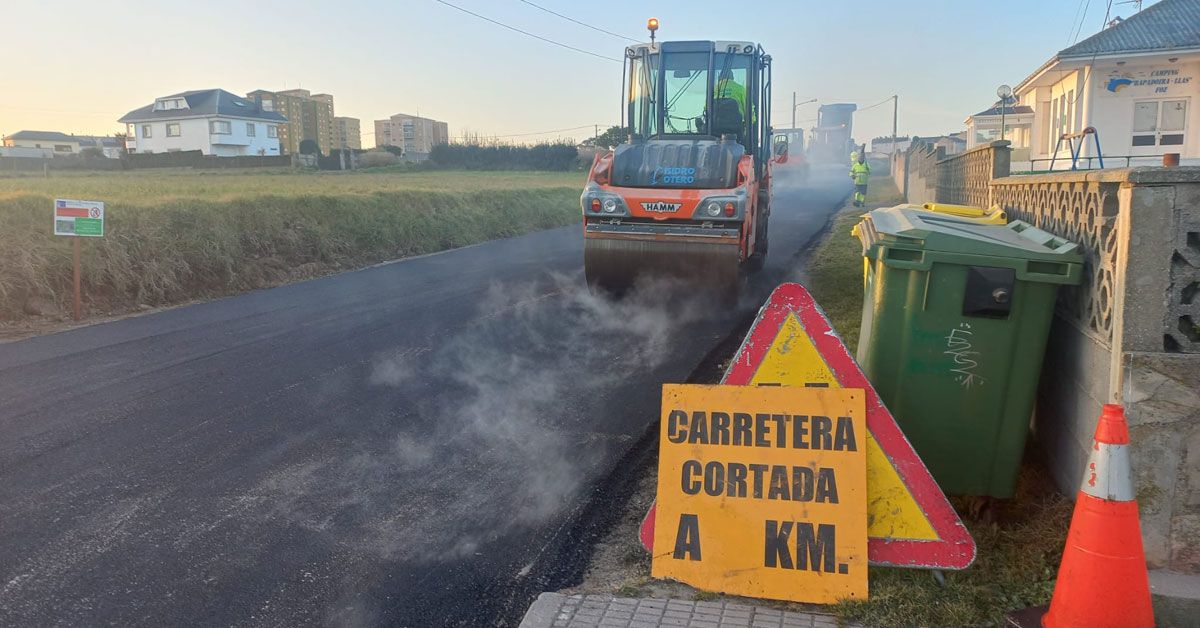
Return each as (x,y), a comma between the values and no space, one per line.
(377,159)
(559,157)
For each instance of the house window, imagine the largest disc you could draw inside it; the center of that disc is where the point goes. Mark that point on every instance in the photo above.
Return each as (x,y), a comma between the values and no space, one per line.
(62,148)
(220,127)
(146,131)
(173,129)
(1159,122)
(250,129)
(272,131)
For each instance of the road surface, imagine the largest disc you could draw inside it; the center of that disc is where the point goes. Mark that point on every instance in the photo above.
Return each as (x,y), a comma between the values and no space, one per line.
(406,444)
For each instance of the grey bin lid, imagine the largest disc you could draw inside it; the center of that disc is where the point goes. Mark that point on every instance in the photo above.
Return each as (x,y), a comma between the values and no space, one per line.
(911,228)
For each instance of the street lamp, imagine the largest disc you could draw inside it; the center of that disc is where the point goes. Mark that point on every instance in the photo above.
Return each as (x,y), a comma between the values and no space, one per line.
(796,104)
(1004,92)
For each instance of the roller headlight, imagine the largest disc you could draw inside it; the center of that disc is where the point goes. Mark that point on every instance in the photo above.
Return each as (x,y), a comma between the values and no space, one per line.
(610,206)
(713,208)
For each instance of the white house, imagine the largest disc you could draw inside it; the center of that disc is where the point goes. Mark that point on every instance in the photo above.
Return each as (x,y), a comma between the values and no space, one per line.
(1009,122)
(50,142)
(1137,83)
(214,121)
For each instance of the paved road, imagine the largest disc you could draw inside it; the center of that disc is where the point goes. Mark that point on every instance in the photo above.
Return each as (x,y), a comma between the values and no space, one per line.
(403,445)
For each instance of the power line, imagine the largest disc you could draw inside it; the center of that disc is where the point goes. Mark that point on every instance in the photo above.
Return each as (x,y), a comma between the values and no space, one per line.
(889,98)
(545,132)
(570,19)
(527,33)
(1081,17)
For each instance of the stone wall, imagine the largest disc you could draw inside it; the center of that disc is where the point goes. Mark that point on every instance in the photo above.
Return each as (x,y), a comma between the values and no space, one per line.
(922,173)
(964,179)
(1127,335)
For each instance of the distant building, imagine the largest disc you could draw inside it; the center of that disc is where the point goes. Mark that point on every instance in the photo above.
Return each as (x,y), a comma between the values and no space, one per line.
(347,133)
(1010,122)
(884,144)
(214,121)
(952,144)
(1137,83)
(415,135)
(53,141)
(310,117)
(110,146)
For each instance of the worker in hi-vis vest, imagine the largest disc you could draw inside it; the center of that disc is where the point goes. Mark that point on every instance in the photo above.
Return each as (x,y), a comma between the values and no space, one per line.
(860,172)
(728,87)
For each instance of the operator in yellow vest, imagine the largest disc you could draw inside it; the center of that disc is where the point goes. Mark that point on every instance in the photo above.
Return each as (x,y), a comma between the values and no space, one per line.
(860,172)
(728,87)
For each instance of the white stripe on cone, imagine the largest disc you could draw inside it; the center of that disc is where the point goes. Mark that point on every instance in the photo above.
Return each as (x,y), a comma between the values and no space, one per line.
(1108,473)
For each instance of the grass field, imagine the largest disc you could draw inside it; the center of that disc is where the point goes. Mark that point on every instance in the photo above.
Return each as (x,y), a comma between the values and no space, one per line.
(175,235)
(1020,544)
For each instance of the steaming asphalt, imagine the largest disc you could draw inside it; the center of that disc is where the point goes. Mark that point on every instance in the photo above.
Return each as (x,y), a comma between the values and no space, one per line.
(408,444)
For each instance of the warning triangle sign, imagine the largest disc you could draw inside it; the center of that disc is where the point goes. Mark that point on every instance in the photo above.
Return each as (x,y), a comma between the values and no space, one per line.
(909,521)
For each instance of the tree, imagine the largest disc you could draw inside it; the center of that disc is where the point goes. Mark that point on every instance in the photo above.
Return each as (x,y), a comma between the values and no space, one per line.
(121,137)
(309,147)
(395,150)
(613,136)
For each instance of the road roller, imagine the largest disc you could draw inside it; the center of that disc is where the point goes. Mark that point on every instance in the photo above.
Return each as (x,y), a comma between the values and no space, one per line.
(687,194)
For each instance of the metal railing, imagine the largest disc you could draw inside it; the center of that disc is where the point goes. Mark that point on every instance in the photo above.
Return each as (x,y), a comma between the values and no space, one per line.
(1155,161)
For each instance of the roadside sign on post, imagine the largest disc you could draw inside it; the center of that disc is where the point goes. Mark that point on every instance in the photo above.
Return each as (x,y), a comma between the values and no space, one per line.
(910,523)
(78,218)
(763,491)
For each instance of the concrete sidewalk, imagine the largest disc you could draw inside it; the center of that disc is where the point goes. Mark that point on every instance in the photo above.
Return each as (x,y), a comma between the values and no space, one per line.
(568,611)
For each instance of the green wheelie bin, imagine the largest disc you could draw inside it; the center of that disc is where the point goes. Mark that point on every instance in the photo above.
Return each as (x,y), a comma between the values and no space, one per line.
(954,325)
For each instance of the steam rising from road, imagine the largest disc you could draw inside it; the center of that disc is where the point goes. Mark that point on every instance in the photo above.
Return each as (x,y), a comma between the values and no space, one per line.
(537,354)
(521,399)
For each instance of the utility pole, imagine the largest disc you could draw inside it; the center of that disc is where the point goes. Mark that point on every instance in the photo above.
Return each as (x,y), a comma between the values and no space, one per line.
(895,117)
(596,134)
(793,110)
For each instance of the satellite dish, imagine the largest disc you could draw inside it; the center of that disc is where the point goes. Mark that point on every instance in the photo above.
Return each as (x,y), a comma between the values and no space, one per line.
(1004,92)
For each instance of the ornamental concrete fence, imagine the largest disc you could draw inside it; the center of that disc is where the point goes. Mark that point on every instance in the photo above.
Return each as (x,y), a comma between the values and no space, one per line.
(1129,334)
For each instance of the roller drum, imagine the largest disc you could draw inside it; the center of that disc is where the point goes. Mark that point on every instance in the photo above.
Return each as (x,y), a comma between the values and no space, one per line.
(615,265)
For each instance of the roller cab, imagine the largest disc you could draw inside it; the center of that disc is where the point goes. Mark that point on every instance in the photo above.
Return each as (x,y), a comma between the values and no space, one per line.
(687,194)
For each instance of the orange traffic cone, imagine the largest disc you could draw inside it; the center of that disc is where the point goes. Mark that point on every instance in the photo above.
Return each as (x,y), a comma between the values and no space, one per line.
(1102,580)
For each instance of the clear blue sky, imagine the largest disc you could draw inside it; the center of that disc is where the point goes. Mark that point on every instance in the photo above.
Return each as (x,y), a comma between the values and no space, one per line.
(78,65)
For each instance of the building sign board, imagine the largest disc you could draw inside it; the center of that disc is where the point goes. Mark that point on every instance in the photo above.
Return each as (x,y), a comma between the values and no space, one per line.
(1147,82)
(78,218)
(910,521)
(763,491)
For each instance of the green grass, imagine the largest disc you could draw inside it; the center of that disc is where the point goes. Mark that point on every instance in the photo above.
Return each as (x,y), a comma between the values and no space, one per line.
(1019,548)
(176,236)
(146,187)
(835,270)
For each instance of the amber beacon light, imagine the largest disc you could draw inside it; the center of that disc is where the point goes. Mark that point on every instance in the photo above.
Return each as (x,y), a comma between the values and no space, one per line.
(652,25)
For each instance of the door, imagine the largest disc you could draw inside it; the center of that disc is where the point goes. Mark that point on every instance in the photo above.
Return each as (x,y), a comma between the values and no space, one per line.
(1159,126)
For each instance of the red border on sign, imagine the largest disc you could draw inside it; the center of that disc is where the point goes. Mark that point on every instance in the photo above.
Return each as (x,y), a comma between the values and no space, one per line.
(955,548)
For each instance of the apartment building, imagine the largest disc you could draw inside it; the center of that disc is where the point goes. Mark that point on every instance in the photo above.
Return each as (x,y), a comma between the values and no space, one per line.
(347,133)
(416,135)
(310,117)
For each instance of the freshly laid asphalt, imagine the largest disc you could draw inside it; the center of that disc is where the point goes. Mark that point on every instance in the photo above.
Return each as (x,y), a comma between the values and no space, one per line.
(407,444)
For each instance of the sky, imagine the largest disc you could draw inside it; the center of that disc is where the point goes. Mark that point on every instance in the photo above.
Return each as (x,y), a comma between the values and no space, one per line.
(78,65)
